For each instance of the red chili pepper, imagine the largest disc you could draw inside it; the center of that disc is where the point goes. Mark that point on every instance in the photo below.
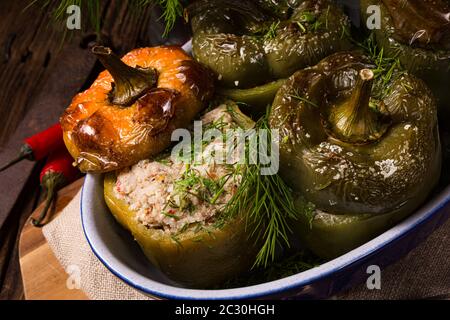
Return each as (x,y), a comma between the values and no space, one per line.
(39,145)
(57,172)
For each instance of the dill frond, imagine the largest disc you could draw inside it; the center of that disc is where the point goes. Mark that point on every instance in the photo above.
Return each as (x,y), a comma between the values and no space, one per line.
(171,10)
(271,32)
(268,205)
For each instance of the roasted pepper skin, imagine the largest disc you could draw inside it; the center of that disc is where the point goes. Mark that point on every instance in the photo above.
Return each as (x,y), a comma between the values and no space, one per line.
(358,189)
(196,259)
(104,136)
(232,38)
(257,98)
(426,56)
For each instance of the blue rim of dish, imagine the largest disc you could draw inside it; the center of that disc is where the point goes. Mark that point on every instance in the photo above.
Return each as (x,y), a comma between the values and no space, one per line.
(289,283)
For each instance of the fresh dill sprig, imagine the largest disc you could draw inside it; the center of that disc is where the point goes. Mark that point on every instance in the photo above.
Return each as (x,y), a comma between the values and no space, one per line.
(171,10)
(386,67)
(271,32)
(305,20)
(268,206)
(296,263)
(296,95)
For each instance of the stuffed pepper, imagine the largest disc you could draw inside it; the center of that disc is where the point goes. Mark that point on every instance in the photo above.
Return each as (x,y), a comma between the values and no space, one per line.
(176,210)
(252,44)
(360,148)
(418,34)
(130,111)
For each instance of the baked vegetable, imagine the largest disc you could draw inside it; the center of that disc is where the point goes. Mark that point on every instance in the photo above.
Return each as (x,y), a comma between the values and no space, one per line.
(208,221)
(362,149)
(251,43)
(130,111)
(418,34)
(173,210)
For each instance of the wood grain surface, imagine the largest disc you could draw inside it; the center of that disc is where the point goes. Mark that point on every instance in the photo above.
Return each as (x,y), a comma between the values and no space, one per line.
(43,277)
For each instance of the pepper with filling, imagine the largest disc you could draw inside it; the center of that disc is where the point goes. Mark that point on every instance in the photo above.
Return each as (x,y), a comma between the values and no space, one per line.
(205,222)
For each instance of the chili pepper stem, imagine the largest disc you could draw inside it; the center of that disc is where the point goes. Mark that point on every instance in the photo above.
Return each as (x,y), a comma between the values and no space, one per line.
(25,153)
(48,202)
(51,182)
(129,83)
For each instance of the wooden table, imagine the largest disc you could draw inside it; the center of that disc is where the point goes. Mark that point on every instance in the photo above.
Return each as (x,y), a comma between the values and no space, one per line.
(43,276)
(39,75)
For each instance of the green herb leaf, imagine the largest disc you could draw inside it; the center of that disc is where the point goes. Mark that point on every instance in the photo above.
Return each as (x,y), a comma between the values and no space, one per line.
(268,205)
(171,10)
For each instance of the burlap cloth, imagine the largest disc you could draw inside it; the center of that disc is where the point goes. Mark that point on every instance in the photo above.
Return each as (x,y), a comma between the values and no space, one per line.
(423,273)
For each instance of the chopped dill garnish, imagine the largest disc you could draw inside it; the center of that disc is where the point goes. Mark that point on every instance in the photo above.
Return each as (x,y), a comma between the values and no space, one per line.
(293,264)
(301,26)
(176,240)
(316,25)
(308,17)
(297,96)
(345,32)
(183,228)
(170,215)
(387,68)
(309,21)
(272,30)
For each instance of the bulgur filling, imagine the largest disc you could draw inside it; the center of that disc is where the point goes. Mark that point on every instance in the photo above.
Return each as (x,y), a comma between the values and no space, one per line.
(170,195)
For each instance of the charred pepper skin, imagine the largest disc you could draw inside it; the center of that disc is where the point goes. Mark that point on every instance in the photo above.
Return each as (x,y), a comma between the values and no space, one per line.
(197,259)
(418,34)
(130,111)
(364,162)
(232,38)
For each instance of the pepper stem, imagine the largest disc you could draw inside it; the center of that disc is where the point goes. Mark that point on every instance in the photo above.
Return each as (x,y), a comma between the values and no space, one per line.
(48,202)
(354,121)
(52,181)
(25,153)
(129,83)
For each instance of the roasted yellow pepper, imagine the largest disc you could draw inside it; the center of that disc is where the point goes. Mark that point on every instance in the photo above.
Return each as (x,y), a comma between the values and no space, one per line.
(130,111)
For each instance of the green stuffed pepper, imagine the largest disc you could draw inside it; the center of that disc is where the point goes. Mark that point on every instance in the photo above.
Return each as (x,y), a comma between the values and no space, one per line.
(252,44)
(418,34)
(173,210)
(363,152)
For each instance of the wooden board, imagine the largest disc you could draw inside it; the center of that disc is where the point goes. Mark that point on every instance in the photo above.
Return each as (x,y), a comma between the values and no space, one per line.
(43,277)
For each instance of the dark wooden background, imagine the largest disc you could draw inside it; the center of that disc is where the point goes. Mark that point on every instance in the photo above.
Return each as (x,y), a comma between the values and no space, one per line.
(39,74)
